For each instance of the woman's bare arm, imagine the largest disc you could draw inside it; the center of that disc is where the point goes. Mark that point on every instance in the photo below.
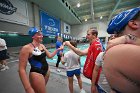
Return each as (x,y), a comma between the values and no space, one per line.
(23,59)
(76,50)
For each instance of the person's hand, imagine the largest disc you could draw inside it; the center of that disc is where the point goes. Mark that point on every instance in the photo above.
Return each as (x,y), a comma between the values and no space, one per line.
(67,43)
(63,43)
(61,53)
(30,90)
(61,48)
(116,41)
(93,88)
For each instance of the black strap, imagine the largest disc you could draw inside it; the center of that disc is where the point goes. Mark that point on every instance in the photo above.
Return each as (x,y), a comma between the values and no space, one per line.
(33,45)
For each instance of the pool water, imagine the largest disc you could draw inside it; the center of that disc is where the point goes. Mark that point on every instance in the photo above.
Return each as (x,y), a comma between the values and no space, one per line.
(82,58)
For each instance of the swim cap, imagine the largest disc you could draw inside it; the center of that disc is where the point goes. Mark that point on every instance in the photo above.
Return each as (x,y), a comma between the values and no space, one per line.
(120,20)
(32,31)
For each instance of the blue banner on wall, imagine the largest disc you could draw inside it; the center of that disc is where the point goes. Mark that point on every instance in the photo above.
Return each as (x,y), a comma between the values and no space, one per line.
(49,25)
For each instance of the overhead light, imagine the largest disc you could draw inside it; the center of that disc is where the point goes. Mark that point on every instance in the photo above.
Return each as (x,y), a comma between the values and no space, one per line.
(101,17)
(85,19)
(78,4)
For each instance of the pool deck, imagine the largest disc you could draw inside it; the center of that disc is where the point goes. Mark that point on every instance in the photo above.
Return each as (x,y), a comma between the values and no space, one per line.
(10,81)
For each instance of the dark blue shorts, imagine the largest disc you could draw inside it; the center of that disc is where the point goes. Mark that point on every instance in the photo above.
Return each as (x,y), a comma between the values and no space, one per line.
(3,55)
(76,72)
(100,89)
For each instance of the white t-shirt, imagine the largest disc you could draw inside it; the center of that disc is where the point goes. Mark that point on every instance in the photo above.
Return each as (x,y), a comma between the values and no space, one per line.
(99,62)
(72,60)
(99,59)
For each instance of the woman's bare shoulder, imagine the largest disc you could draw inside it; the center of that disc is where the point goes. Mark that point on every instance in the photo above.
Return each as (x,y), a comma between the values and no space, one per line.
(26,48)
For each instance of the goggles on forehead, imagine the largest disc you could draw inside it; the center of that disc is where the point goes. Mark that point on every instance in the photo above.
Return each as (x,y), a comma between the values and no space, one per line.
(33,30)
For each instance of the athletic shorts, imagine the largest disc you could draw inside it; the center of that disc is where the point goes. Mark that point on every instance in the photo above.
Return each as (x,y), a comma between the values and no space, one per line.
(3,55)
(76,72)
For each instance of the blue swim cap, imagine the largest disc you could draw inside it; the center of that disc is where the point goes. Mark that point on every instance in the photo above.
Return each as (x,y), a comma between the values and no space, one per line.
(120,20)
(32,31)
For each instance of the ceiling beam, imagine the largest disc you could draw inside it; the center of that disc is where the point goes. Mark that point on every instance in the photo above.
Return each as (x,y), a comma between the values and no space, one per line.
(86,16)
(124,8)
(60,11)
(95,1)
(98,9)
(92,11)
(116,6)
(104,13)
(81,5)
(130,2)
(81,11)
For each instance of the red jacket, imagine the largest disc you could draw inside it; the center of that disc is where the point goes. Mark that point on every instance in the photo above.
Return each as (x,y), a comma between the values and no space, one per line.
(93,51)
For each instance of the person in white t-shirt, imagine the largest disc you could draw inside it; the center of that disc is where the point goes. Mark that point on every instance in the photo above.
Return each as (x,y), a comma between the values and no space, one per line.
(98,65)
(3,55)
(72,61)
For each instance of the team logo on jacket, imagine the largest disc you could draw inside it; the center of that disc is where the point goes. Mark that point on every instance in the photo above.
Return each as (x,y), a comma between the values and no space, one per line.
(6,7)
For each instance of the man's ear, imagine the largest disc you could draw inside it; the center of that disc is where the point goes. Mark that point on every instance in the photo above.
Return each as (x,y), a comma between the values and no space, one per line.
(133,24)
(95,35)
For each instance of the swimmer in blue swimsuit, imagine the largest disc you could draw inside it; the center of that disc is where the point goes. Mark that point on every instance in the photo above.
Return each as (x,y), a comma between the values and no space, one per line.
(36,54)
(38,61)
